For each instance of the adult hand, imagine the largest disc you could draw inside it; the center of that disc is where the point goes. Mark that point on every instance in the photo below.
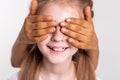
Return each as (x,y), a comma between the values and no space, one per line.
(36,27)
(81,31)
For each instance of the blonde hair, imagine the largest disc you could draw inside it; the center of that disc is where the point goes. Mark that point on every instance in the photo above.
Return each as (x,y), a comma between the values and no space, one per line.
(30,68)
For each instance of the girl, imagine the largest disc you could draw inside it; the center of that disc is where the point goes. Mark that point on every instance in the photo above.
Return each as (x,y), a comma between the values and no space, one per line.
(61,56)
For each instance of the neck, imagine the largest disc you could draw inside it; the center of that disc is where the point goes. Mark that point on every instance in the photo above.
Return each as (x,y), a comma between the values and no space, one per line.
(65,69)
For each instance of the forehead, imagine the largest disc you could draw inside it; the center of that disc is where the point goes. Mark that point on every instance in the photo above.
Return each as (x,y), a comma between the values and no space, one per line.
(60,13)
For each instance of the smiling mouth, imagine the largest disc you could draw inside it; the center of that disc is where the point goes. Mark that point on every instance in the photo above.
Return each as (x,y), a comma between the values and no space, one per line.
(58,49)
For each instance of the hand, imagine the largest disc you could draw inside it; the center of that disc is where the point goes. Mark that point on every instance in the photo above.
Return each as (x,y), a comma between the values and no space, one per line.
(82,35)
(81,31)
(36,27)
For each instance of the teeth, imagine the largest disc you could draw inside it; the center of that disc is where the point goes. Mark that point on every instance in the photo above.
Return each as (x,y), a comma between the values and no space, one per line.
(58,49)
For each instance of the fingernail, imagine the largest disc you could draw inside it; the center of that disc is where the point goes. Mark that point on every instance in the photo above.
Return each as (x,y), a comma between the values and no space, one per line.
(63,30)
(68,20)
(70,40)
(62,23)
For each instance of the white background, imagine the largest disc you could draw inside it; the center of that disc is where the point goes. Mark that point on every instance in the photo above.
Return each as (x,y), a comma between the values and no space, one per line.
(107,25)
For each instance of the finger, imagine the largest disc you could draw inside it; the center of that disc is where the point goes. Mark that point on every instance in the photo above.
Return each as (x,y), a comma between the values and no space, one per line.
(33,40)
(39,39)
(38,33)
(76,28)
(77,21)
(77,44)
(77,36)
(43,25)
(34,6)
(87,14)
(38,18)
(70,26)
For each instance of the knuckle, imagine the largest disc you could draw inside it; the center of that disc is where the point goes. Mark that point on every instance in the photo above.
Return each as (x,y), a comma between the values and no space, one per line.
(36,33)
(76,36)
(36,25)
(49,24)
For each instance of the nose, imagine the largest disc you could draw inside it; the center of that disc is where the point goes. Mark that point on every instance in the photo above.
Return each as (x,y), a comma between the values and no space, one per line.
(58,36)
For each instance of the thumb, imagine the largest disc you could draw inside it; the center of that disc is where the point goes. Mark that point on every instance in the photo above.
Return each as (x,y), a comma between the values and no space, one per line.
(34,6)
(87,14)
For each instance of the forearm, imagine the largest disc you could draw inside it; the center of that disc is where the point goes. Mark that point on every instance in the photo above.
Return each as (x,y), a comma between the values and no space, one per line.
(18,51)
(94,56)
(21,47)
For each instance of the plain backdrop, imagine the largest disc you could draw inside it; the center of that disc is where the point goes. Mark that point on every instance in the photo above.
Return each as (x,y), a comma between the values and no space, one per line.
(107,26)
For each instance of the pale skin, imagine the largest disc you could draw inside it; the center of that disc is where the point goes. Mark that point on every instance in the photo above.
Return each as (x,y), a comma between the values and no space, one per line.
(45,25)
(57,62)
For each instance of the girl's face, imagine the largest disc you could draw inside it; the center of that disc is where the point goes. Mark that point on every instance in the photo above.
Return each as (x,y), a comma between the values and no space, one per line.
(55,48)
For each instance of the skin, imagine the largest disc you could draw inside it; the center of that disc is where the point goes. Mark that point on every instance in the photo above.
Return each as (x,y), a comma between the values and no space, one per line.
(82,34)
(26,35)
(33,29)
(57,39)
(61,66)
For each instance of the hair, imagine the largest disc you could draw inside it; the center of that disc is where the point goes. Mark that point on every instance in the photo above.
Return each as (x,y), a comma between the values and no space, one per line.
(30,68)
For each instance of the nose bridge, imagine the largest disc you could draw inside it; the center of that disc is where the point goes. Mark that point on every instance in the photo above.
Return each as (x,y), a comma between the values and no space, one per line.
(58,35)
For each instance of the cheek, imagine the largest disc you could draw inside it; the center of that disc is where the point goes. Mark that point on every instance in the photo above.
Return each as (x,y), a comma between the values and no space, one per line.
(72,52)
(75,50)
(39,46)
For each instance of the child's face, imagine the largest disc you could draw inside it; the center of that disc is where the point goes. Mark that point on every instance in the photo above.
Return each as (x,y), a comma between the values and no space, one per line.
(55,48)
